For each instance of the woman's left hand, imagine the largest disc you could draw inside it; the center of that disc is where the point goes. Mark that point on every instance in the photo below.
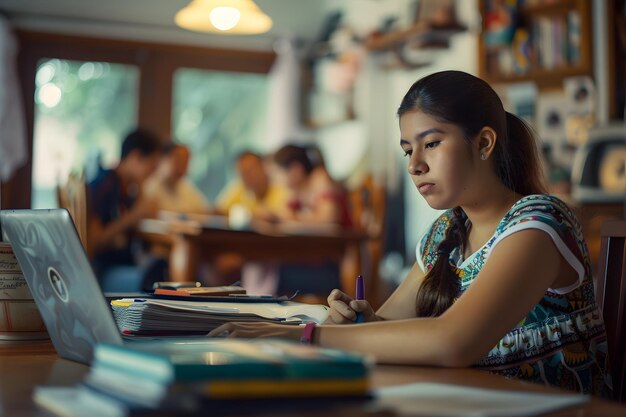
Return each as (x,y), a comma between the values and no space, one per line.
(257,329)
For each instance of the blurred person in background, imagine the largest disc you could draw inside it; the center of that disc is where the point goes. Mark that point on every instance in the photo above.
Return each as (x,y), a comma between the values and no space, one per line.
(116,206)
(170,187)
(254,189)
(253,195)
(315,198)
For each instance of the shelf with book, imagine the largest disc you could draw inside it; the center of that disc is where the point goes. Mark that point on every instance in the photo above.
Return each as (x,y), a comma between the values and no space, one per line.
(528,40)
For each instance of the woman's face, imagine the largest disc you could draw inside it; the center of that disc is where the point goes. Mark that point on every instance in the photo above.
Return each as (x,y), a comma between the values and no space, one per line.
(441,163)
(296,176)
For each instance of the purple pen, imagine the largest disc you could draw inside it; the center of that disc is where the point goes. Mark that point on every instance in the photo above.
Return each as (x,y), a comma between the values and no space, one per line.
(360,295)
(359,288)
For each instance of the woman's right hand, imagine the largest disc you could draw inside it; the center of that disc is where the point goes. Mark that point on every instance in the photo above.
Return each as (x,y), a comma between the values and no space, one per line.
(343,309)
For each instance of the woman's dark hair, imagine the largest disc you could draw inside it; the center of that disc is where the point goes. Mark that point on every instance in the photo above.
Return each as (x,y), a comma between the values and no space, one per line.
(470,103)
(290,154)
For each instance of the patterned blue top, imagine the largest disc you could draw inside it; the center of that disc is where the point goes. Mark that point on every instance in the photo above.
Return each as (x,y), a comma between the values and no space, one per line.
(562,340)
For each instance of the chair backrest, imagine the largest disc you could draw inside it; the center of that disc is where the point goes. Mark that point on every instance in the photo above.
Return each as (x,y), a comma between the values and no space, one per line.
(367,206)
(611,298)
(73,196)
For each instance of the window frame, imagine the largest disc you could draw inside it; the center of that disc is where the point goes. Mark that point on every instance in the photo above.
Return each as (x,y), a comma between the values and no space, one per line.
(156,63)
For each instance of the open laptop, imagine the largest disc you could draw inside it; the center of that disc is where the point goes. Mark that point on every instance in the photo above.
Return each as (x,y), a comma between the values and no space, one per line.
(63,284)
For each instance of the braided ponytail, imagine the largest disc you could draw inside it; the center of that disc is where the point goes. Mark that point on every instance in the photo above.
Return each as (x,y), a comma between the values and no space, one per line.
(440,286)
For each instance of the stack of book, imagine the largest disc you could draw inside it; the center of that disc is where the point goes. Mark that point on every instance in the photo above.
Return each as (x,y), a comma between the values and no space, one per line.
(227,375)
(149,316)
(20,319)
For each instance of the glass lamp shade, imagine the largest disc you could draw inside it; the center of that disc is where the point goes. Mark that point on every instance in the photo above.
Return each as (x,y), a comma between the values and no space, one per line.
(223,16)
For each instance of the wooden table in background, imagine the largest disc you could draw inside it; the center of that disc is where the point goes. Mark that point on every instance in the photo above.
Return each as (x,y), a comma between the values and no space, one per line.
(192,241)
(24,365)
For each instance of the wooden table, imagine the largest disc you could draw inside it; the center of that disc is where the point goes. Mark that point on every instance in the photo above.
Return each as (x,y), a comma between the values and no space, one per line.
(192,240)
(24,365)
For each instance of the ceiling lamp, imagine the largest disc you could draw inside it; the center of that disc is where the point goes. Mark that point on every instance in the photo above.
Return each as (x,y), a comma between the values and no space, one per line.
(223,16)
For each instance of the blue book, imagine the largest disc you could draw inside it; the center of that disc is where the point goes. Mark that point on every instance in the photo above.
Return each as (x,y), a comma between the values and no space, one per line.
(226,369)
(233,359)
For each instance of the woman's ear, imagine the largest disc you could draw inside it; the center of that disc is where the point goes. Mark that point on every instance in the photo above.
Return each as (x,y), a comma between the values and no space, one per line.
(487,139)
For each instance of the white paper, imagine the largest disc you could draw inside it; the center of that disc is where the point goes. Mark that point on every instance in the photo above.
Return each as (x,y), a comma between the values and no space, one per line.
(430,399)
(136,314)
(284,310)
(13,286)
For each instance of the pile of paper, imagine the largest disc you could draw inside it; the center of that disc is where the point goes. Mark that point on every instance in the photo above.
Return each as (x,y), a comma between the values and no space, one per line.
(20,319)
(170,317)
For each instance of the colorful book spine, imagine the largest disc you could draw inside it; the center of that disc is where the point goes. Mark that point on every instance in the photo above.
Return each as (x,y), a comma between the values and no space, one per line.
(573,37)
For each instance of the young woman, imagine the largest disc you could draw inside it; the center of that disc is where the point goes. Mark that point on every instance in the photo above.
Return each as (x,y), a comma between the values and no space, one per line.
(503,279)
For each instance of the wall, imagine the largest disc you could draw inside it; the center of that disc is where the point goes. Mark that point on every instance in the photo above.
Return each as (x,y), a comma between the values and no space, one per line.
(371,142)
(461,56)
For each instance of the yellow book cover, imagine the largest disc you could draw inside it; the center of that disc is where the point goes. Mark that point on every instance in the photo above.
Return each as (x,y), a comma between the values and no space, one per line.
(267,388)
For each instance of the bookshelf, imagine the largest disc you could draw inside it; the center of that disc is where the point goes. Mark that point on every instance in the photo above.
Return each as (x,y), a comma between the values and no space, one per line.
(545,42)
(539,41)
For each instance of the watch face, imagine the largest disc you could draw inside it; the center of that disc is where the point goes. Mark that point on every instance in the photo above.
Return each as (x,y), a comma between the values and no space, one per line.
(612,171)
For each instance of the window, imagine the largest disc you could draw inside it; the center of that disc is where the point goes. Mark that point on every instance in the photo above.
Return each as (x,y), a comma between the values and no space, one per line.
(218,115)
(82,94)
(83,110)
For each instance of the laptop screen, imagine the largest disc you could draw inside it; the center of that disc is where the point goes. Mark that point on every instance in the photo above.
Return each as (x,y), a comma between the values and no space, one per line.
(59,275)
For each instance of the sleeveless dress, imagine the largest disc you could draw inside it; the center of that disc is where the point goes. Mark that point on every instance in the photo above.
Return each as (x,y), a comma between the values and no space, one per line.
(562,340)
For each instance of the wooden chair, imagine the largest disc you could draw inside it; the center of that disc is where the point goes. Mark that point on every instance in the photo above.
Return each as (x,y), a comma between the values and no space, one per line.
(73,196)
(368,205)
(611,298)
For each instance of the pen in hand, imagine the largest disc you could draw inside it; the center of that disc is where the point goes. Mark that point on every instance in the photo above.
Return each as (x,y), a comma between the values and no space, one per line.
(360,295)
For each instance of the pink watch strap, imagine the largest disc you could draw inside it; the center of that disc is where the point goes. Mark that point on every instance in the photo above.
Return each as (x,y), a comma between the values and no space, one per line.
(307,333)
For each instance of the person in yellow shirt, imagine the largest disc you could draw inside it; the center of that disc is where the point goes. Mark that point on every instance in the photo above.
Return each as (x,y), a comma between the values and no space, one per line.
(254,190)
(263,199)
